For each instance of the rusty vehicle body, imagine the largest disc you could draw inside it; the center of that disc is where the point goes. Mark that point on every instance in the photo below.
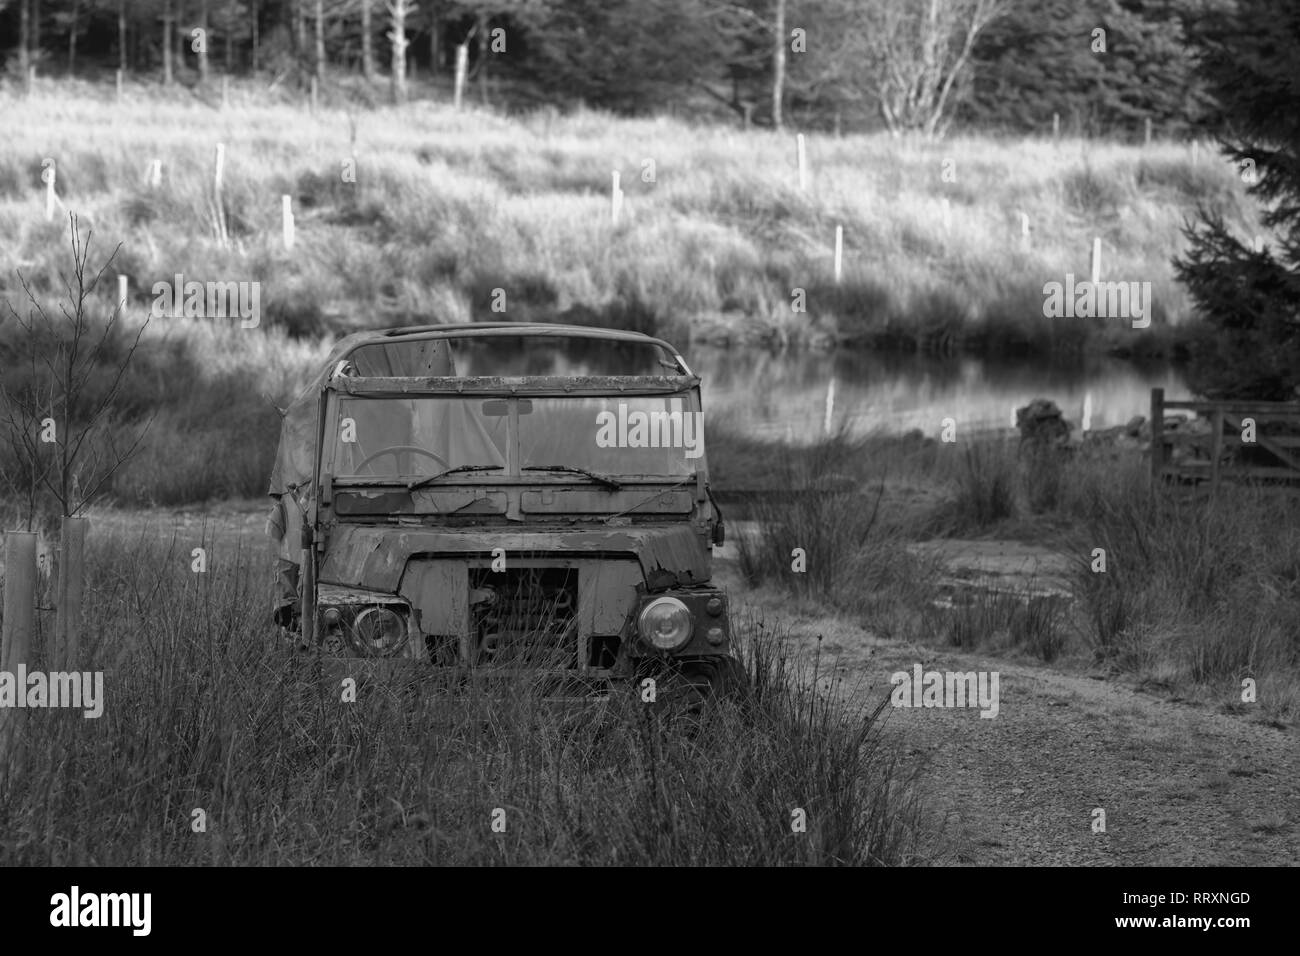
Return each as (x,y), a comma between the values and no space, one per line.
(431,510)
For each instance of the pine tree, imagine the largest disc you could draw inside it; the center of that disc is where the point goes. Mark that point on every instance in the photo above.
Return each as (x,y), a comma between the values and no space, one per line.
(1249,297)
(630,56)
(1045,58)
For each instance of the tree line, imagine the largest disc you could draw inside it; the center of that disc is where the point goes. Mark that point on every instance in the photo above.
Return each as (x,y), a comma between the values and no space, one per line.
(1103,67)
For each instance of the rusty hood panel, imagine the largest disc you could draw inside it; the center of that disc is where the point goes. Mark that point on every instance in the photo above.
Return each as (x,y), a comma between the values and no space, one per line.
(375,558)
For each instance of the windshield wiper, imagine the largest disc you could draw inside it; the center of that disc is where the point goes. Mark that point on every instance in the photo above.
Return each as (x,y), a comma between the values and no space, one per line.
(603,479)
(429,479)
(658,494)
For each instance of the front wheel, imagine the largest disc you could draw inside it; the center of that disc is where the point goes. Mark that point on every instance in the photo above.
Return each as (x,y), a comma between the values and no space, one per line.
(728,678)
(683,690)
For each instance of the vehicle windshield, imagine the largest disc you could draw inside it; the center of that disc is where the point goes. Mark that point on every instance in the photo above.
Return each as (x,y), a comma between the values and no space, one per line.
(404,438)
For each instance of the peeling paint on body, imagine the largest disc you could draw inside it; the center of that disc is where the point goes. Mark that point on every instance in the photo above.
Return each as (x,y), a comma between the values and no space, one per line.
(374,558)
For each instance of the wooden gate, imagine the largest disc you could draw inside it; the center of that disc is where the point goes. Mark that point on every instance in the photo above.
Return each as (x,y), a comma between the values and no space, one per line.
(1207,445)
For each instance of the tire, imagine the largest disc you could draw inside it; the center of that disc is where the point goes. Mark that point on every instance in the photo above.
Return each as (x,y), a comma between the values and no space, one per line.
(730,679)
(686,690)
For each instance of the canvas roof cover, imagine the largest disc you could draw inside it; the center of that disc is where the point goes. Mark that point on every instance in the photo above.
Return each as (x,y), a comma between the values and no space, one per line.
(394,357)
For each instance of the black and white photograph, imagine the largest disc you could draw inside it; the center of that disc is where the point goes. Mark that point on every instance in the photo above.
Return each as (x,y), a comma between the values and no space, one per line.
(649,434)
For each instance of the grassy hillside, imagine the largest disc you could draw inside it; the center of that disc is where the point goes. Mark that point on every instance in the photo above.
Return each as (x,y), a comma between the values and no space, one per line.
(446,208)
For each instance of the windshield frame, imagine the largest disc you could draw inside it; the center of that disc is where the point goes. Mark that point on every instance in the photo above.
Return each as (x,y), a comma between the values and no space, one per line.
(512,386)
(342,386)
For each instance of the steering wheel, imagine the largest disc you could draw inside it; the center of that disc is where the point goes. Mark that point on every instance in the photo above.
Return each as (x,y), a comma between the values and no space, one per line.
(395,450)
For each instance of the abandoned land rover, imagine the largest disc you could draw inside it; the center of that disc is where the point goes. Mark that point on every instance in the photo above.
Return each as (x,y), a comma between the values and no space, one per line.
(505,496)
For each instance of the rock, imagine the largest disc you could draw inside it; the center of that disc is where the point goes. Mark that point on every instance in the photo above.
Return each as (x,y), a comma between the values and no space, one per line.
(1041,422)
(834,482)
(1105,436)
(1199,451)
(1134,427)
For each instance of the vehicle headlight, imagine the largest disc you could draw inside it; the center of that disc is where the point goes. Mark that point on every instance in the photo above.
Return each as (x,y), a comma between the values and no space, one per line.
(379,630)
(666,623)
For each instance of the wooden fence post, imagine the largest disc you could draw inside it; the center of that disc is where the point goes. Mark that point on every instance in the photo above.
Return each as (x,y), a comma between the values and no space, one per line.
(1157,434)
(118,83)
(1056,126)
(286,215)
(803,163)
(19,600)
(830,406)
(839,254)
(1216,449)
(218,177)
(16,637)
(49,191)
(65,643)
(462,66)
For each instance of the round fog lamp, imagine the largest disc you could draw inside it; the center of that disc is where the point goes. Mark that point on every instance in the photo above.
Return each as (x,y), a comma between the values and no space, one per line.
(379,630)
(665,623)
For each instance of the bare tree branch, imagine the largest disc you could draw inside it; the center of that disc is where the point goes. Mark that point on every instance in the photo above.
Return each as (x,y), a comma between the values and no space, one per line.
(64,360)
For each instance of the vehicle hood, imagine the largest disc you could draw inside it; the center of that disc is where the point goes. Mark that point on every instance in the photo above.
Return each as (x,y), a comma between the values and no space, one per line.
(375,557)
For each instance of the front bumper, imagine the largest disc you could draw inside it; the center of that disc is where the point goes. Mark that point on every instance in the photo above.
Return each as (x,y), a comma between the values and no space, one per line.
(568,616)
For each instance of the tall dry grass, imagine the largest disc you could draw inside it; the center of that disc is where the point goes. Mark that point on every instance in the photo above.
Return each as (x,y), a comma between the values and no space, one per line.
(201,399)
(447,207)
(1196,593)
(1203,592)
(203,714)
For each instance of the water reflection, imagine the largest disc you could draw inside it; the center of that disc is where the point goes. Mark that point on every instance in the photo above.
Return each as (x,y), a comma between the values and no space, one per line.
(784,395)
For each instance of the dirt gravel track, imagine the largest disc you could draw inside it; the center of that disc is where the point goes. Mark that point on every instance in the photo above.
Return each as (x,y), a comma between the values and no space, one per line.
(1180,784)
